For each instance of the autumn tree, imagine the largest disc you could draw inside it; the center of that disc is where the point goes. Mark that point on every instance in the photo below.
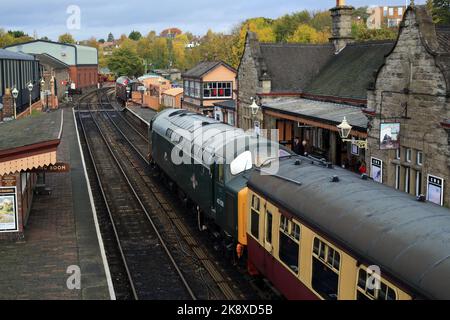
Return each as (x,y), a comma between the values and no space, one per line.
(125,62)
(66,38)
(307,34)
(361,33)
(285,26)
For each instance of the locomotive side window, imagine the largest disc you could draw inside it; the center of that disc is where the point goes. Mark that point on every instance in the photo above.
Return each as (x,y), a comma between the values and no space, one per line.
(367,291)
(289,243)
(255,217)
(325,270)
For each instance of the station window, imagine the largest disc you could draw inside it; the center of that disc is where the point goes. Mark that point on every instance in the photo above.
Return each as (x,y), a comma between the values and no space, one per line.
(325,271)
(419,159)
(408,155)
(367,289)
(397,154)
(255,216)
(397,177)
(289,243)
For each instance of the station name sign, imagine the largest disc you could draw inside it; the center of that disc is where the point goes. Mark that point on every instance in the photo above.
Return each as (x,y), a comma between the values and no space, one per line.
(58,167)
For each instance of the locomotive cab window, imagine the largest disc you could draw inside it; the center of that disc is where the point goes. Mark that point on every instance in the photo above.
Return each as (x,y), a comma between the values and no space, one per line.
(325,270)
(289,243)
(255,216)
(370,289)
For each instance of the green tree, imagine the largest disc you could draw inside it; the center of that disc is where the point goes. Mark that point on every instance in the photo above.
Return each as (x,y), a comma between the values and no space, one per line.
(17,33)
(439,10)
(66,38)
(125,62)
(321,21)
(101,40)
(135,35)
(110,37)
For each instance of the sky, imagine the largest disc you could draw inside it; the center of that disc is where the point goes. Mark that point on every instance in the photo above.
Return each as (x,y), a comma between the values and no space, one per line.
(98,17)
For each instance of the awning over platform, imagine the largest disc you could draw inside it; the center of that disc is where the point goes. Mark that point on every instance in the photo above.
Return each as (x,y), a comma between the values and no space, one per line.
(317,113)
(30,142)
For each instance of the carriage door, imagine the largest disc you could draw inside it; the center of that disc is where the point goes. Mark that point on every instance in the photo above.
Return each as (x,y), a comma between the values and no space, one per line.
(219,192)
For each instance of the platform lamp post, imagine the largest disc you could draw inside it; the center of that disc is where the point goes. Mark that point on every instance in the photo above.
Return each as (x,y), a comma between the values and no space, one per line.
(15,94)
(344,131)
(30,87)
(254,109)
(43,91)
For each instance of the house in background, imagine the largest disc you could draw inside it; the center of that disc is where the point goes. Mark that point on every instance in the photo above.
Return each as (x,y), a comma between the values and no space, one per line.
(82,60)
(225,112)
(206,84)
(389,16)
(172,98)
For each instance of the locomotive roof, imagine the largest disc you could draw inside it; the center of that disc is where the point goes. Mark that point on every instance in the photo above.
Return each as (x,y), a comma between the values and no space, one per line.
(212,138)
(407,239)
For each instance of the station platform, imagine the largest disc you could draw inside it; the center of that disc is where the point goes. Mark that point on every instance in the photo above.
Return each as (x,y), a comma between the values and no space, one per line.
(61,232)
(144,114)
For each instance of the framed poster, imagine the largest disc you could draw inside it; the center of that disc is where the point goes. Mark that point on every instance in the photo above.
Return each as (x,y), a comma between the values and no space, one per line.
(435,190)
(355,150)
(389,136)
(8,210)
(376,170)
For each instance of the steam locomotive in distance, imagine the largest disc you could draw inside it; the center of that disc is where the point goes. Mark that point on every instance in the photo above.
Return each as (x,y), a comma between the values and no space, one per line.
(314,231)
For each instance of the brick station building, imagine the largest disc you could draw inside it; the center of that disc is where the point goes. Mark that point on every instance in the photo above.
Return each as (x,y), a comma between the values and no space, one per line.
(82,60)
(25,145)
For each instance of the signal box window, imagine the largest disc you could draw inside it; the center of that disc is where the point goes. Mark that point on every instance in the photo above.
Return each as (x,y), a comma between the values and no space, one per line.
(254,212)
(325,270)
(367,292)
(289,243)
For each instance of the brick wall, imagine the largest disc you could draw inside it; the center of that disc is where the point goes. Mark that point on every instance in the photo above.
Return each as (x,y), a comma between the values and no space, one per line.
(411,68)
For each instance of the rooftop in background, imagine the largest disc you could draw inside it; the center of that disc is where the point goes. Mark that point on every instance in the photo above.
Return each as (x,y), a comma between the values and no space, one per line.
(333,113)
(71,54)
(6,54)
(173,91)
(228,104)
(203,68)
(37,129)
(51,61)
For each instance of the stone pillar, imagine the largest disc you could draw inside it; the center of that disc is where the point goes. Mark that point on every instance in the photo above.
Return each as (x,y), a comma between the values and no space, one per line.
(8,104)
(341,25)
(332,157)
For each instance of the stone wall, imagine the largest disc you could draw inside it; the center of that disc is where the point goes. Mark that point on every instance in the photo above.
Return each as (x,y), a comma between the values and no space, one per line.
(248,83)
(411,89)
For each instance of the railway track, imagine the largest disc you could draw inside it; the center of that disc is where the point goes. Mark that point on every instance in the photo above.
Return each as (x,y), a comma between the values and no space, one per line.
(150,268)
(135,150)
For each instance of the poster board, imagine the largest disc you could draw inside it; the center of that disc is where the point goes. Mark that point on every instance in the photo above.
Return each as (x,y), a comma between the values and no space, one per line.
(435,190)
(389,136)
(8,210)
(376,170)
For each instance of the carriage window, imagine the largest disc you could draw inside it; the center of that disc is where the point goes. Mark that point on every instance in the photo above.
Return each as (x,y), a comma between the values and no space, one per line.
(325,271)
(269,227)
(255,202)
(255,223)
(289,243)
(366,291)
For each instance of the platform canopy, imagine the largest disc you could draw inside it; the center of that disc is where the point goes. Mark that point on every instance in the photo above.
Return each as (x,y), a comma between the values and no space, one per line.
(30,143)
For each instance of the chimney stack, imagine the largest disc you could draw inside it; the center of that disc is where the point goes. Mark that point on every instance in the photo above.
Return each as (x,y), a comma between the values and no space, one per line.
(341,25)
